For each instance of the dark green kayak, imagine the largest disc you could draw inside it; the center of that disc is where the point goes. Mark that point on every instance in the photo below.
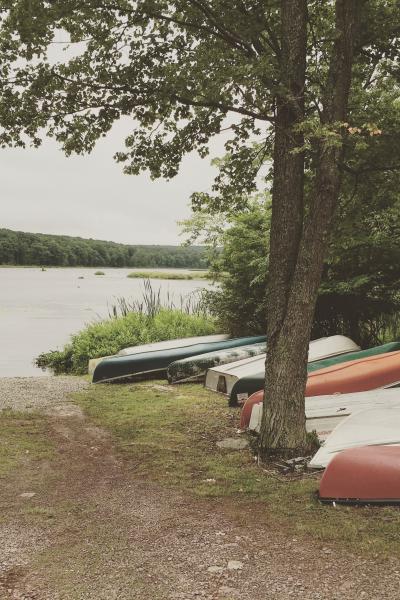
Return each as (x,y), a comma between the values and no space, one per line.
(246,386)
(156,362)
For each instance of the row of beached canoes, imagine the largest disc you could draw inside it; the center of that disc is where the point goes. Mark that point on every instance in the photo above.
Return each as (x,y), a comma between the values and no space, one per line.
(348,400)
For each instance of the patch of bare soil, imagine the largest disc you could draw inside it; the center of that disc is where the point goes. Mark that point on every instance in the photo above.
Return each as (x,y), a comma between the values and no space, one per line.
(93,531)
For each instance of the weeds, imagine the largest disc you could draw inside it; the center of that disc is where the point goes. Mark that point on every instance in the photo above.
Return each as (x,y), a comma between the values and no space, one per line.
(151,303)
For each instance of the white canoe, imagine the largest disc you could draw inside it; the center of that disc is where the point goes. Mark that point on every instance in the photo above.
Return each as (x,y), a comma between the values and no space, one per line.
(378,426)
(324,413)
(166,345)
(223,378)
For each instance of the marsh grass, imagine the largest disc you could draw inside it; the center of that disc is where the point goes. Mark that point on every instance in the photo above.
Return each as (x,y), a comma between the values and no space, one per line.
(166,275)
(169,435)
(151,303)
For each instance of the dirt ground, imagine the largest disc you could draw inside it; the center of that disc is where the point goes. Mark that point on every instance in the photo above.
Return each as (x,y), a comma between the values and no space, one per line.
(94,531)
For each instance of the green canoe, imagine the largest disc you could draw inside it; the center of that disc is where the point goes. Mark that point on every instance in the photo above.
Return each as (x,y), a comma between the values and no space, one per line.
(156,362)
(195,368)
(246,386)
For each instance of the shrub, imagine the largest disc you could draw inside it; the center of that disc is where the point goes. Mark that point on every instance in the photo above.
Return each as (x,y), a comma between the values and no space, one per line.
(109,336)
(99,273)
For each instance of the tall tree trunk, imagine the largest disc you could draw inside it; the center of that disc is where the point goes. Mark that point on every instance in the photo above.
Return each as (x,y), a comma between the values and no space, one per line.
(298,236)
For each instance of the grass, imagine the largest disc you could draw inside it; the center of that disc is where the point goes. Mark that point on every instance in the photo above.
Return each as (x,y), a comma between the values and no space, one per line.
(99,273)
(23,436)
(166,275)
(169,436)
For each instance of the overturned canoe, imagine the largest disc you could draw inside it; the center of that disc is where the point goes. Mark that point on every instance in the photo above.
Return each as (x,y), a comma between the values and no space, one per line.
(170,344)
(164,345)
(366,475)
(246,386)
(356,376)
(378,426)
(222,379)
(157,361)
(374,372)
(322,426)
(195,367)
(324,413)
(336,360)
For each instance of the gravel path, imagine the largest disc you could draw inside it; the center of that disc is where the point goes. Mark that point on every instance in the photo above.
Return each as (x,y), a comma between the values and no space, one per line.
(37,393)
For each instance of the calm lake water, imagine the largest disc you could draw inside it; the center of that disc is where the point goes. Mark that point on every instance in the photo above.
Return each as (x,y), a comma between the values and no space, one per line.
(39,310)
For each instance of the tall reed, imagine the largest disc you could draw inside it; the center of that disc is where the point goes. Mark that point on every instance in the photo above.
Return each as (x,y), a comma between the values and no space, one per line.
(152,302)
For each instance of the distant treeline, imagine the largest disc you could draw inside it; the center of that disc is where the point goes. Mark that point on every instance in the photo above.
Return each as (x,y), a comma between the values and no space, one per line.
(20,248)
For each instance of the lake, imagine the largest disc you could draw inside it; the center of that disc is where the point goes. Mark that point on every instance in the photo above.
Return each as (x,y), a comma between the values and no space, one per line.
(39,310)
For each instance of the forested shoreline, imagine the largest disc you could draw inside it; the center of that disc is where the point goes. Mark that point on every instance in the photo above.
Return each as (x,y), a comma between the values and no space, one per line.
(20,248)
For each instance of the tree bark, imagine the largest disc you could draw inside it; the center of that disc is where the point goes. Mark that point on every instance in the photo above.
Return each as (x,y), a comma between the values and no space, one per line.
(299,235)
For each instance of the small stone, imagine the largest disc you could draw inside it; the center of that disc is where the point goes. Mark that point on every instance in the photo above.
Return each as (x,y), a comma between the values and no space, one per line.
(215,569)
(233,444)
(235,565)
(27,495)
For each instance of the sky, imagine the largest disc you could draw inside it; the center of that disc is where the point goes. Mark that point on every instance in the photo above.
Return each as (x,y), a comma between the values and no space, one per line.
(43,191)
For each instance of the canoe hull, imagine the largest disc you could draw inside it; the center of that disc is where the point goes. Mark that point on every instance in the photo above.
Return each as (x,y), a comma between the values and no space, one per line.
(195,368)
(366,475)
(222,379)
(369,373)
(171,344)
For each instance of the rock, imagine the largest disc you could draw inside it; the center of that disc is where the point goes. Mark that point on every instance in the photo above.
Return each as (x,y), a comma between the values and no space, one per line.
(27,495)
(235,565)
(233,444)
(215,569)
(299,460)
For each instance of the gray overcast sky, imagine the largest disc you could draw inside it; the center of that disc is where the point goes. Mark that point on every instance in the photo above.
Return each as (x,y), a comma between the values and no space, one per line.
(89,196)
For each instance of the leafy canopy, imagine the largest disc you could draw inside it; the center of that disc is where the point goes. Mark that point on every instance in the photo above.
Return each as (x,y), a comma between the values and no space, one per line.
(184,70)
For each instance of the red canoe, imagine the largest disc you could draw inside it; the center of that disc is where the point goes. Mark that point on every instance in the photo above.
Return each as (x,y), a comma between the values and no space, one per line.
(370,474)
(354,376)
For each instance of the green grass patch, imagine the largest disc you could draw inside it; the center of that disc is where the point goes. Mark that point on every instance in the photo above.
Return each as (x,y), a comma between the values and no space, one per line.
(99,273)
(170,436)
(23,437)
(166,275)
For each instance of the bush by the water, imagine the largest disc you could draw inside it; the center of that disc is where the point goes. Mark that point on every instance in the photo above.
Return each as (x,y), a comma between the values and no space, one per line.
(135,328)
